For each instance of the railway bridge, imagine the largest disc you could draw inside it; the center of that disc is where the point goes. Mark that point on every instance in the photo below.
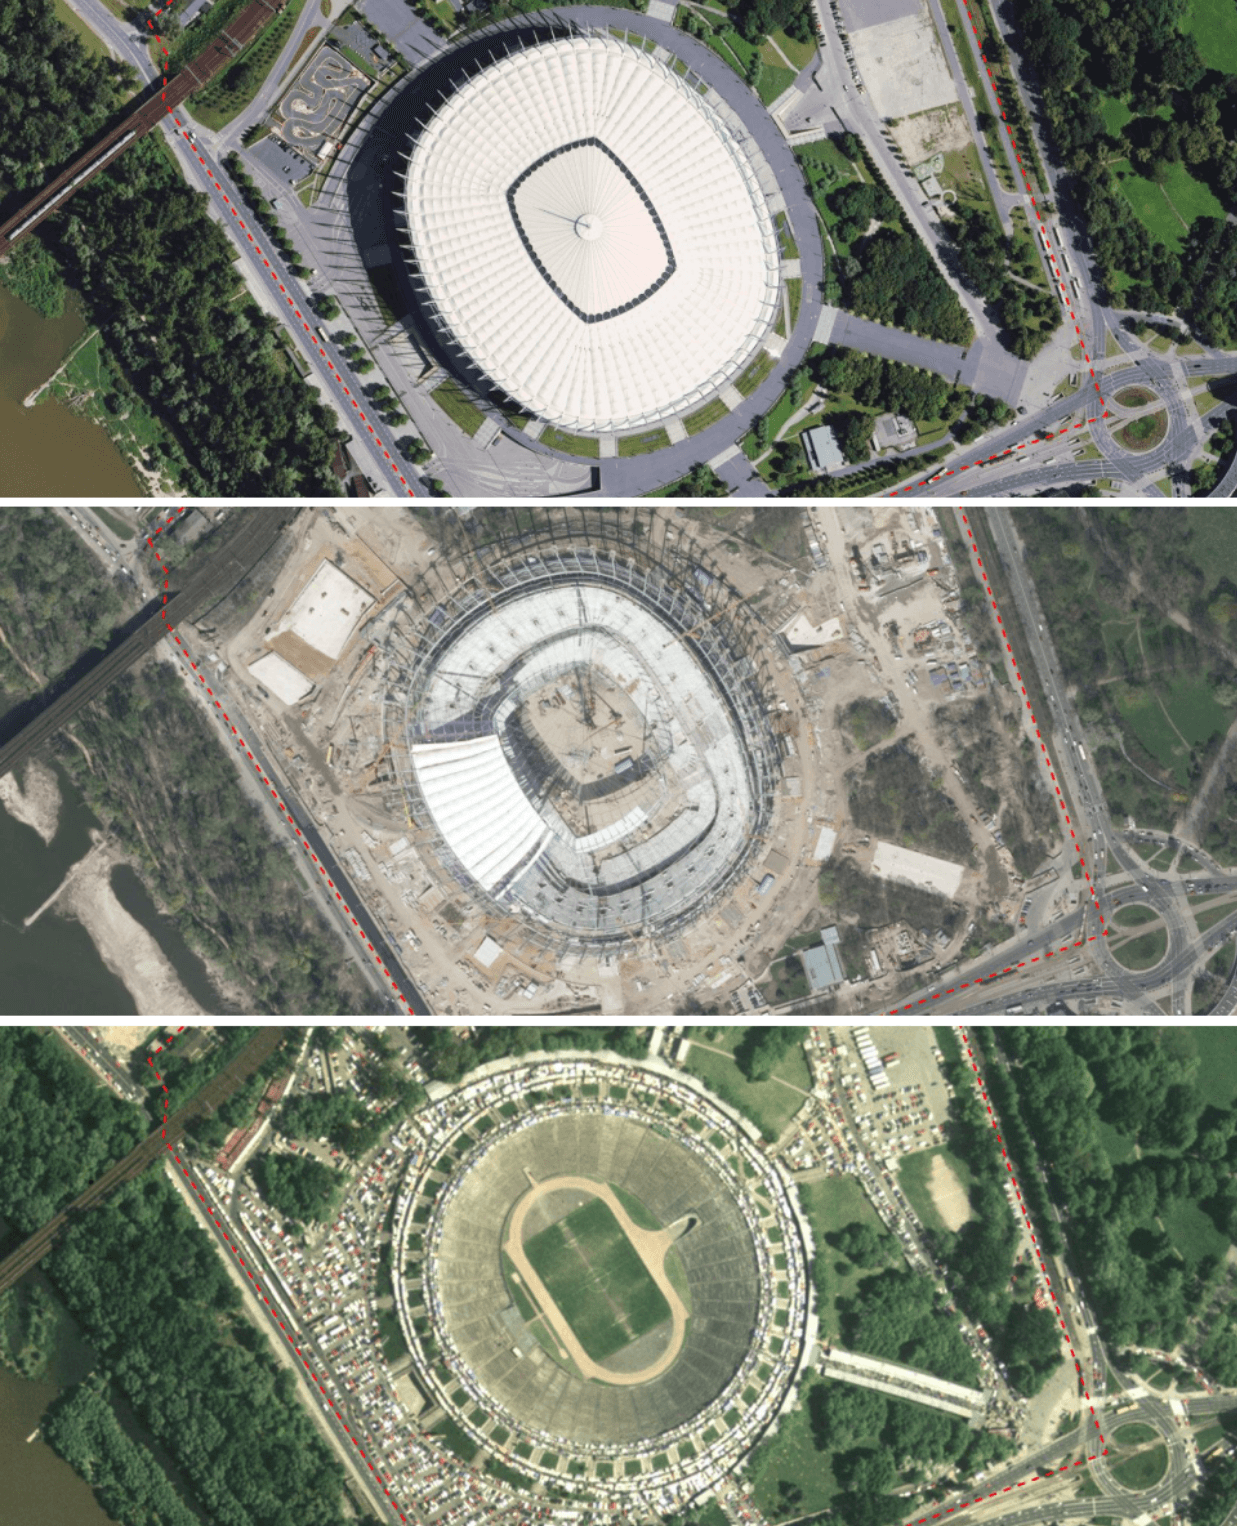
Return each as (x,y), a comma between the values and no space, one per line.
(161,98)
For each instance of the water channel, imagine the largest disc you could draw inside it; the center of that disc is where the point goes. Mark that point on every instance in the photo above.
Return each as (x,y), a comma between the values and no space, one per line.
(48,450)
(52,968)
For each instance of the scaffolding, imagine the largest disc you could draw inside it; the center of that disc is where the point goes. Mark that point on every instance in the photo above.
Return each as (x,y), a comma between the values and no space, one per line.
(499,576)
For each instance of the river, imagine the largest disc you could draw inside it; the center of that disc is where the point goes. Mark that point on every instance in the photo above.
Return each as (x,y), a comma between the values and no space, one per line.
(52,968)
(49,451)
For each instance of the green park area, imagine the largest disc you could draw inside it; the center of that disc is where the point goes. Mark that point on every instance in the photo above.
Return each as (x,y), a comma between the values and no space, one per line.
(1135,916)
(596,1277)
(1166,207)
(456,406)
(92,384)
(1143,1469)
(1213,540)
(914,1172)
(1216,1049)
(1204,920)
(1143,952)
(1213,26)
(829,1207)
(721,1057)
(227,95)
(1134,1434)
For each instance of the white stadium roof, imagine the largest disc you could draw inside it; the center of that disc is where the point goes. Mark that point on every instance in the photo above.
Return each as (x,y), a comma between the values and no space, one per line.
(592,234)
(479,807)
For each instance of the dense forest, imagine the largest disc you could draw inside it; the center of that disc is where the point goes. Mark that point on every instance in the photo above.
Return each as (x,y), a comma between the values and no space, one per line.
(1181,112)
(55,602)
(163,784)
(54,96)
(895,797)
(1144,1166)
(159,278)
(298,1186)
(61,1129)
(890,276)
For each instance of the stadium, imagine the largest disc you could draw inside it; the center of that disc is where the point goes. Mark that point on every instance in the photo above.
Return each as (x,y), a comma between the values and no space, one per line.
(610,262)
(603,1280)
(578,711)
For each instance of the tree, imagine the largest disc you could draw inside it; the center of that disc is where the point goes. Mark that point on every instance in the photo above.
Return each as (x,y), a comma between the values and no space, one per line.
(863,1243)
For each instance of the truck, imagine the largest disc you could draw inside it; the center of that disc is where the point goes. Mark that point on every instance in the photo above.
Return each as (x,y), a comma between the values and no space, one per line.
(1081,752)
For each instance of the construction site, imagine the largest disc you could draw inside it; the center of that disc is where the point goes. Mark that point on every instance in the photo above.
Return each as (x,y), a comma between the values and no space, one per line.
(587,760)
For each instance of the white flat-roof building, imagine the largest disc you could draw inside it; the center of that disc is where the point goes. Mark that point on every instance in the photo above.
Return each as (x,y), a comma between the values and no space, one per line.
(920,869)
(279,676)
(593,233)
(327,610)
(823,451)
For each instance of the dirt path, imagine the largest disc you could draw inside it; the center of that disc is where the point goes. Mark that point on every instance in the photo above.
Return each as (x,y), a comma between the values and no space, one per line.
(651,1246)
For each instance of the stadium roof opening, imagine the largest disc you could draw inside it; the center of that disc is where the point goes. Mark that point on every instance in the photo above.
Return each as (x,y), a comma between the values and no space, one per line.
(609,259)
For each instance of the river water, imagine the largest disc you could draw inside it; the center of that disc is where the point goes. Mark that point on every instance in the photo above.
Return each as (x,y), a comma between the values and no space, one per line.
(48,450)
(52,968)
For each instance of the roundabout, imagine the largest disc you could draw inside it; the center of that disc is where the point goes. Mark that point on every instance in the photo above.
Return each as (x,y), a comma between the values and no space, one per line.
(604,1286)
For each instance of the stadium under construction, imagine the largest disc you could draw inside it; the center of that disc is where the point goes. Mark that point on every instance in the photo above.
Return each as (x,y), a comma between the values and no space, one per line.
(579,711)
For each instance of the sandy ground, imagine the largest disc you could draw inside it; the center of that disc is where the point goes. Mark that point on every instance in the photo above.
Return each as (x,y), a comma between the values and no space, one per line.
(948,1194)
(123,1039)
(932,132)
(38,805)
(126,947)
(651,1246)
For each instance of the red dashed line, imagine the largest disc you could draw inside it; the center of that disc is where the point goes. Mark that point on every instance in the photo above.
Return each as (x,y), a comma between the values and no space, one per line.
(977,980)
(1062,292)
(240,742)
(240,222)
(287,1334)
(1035,1478)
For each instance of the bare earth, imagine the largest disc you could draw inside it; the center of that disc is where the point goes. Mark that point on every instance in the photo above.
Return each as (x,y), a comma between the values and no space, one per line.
(38,805)
(948,1194)
(651,1246)
(126,947)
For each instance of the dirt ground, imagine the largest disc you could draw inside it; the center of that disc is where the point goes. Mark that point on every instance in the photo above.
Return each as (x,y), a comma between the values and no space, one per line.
(127,948)
(38,805)
(931,132)
(948,1194)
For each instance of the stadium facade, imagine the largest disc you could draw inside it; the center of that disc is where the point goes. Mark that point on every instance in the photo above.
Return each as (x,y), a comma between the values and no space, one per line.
(477,1354)
(579,710)
(609,260)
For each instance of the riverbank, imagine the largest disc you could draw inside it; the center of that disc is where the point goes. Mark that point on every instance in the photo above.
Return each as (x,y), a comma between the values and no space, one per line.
(123,943)
(38,803)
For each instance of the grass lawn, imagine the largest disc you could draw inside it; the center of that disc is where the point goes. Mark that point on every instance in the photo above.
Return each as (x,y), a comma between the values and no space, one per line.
(116,525)
(1144,952)
(1214,542)
(1213,914)
(785,238)
(703,417)
(1162,209)
(794,294)
(1134,1434)
(1213,26)
(1134,397)
(1143,1469)
(754,373)
(642,444)
(1141,712)
(457,407)
(1208,1436)
(773,80)
(793,1457)
(1217,1071)
(1115,113)
(1194,710)
(1118,1147)
(736,50)
(597,1279)
(770,1103)
(1135,916)
(802,53)
(1192,1232)
(913,1174)
(830,1205)
(91,41)
(1144,433)
(570,444)
(216,106)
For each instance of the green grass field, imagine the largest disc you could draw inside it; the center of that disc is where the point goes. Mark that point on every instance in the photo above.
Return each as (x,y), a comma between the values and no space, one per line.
(1205,919)
(1163,209)
(913,1174)
(1115,113)
(1213,26)
(831,1205)
(1134,1434)
(595,1276)
(1118,1147)
(1192,1232)
(792,1456)
(1217,1069)
(769,1102)
(1142,1470)
(1214,543)
(1134,916)
(1194,710)
(1144,952)
(457,407)
(116,525)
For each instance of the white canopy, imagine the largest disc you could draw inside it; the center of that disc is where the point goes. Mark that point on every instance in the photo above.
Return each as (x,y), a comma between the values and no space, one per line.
(593,234)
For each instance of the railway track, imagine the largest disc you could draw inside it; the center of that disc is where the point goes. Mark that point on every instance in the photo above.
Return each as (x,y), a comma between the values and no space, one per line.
(32,1250)
(258,531)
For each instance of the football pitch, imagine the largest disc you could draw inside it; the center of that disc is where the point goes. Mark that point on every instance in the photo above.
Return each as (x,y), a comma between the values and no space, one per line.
(596,1277)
